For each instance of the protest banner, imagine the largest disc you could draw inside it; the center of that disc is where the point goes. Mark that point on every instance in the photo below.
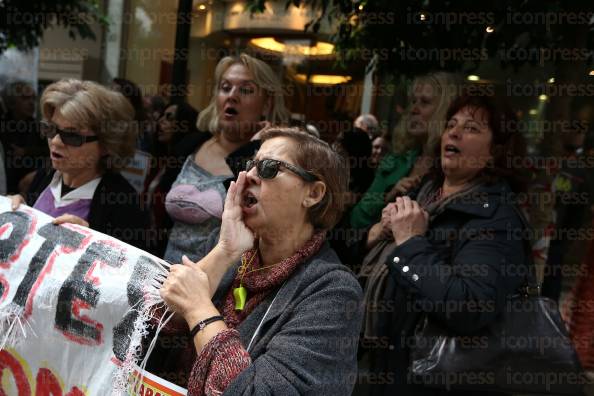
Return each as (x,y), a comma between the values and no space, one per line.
(148,384)
(74,306)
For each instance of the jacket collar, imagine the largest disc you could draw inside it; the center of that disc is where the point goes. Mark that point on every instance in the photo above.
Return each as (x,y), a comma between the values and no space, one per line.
(86,191)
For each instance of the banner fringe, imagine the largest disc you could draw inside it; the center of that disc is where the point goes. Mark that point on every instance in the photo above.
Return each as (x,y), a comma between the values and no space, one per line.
(146,309)
(11,334)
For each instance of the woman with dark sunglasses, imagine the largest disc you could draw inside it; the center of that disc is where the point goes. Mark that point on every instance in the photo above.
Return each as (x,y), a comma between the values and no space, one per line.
(247,96)
(90,134)
(268,304)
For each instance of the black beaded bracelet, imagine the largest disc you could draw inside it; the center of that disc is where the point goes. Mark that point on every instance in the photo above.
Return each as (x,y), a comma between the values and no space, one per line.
(202,324)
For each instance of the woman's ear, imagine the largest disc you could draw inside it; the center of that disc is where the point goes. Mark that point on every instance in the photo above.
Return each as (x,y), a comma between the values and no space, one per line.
(316,193)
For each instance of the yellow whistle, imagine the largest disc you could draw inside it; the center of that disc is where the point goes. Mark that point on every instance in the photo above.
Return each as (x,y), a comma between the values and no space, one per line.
(239,295)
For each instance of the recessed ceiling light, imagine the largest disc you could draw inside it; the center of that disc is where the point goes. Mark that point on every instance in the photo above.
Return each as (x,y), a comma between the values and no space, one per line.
(270,43)
(323,79)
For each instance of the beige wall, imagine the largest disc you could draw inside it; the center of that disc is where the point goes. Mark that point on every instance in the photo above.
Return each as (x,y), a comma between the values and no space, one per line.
(201,65)
(151,28)
(62,57)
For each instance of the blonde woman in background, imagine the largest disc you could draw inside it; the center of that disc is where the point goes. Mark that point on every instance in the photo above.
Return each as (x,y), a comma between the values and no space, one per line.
(414,141)
(247,97)
(91,136)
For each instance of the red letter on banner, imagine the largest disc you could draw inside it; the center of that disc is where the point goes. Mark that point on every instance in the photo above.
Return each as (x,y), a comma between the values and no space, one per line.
(47,384)
(7,361)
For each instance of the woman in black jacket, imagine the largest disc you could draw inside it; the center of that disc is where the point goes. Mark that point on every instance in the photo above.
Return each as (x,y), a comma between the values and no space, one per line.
(91,136)
(456,254)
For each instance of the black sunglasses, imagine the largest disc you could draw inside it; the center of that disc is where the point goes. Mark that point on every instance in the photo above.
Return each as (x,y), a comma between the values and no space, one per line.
(268,169)
(72,138)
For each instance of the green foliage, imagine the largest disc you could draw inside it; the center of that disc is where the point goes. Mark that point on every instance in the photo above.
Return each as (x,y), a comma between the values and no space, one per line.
(22,22)
(412,36)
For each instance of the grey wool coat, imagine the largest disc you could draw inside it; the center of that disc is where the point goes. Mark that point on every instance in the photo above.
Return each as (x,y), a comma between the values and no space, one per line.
(308,338)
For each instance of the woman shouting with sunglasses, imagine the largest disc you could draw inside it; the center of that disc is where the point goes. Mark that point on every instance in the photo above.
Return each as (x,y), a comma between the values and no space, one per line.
(91,136)
(268,307)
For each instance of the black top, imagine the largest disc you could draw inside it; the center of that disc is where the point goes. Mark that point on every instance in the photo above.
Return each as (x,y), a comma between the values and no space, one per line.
(66,189)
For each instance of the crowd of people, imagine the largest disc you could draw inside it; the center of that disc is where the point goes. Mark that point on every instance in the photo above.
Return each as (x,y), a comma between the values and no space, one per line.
(299,265)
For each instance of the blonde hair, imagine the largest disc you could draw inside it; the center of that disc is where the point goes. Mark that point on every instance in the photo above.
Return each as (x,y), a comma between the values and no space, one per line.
(107,113)
(446,87)
(265,79)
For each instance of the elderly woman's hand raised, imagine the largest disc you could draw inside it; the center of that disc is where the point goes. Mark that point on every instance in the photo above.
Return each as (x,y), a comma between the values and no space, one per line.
(235,237)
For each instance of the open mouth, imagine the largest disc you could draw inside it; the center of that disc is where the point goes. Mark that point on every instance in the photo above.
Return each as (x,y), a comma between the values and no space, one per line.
(449,148)
(56,155)
(249,200)
(231,111)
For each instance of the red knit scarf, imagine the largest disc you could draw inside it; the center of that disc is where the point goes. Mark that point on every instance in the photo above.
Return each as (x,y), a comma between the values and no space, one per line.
(260,283)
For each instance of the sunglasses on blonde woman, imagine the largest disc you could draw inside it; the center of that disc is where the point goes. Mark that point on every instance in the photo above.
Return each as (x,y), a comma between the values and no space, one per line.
(69,137)
(268,169)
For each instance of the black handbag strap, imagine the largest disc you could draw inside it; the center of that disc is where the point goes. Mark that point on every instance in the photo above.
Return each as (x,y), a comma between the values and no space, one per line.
(531,286)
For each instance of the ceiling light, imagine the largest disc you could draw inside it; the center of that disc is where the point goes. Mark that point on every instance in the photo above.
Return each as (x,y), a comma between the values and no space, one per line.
(489,29)
(533,112)
(270,43)
(552,80)
(323,79)
(473,77)
(543,98)
(202,7)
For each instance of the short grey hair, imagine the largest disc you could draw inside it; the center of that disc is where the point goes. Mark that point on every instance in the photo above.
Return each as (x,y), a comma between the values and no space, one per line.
(371,124)
(104,111)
